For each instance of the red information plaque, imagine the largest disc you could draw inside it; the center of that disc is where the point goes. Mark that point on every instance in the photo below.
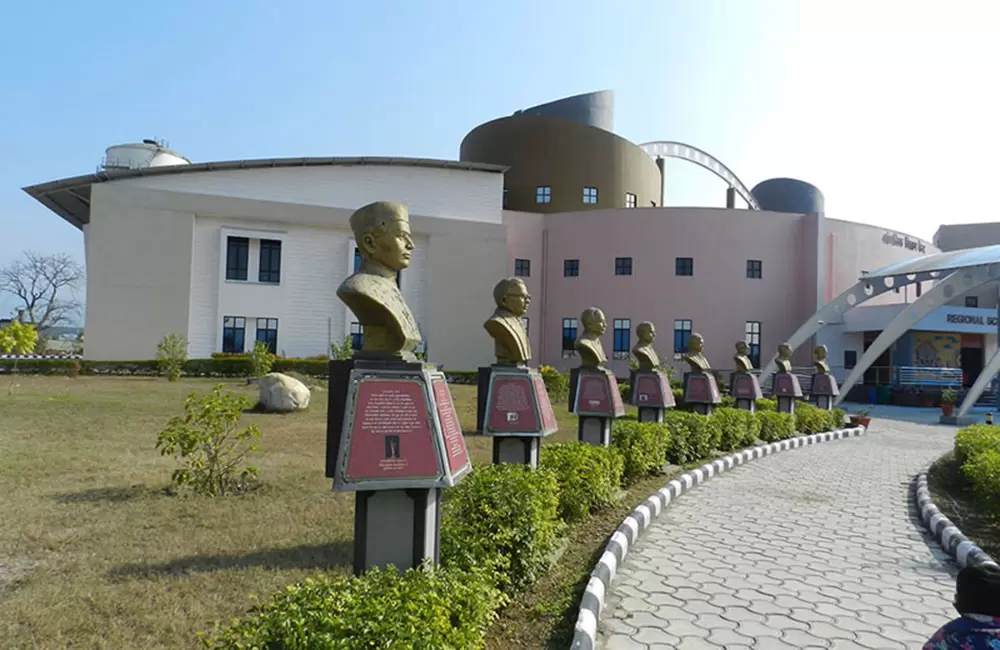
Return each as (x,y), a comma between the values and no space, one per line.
(454,442)
(593,395)
(616,396)
(548,415)
(511,408)
(391,435)
(787,385)
(823,384)
(745,387)
(701,389)
(648,390)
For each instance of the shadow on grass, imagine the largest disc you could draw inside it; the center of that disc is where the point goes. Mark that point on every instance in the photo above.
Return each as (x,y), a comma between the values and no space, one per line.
(318,556)
(107,494)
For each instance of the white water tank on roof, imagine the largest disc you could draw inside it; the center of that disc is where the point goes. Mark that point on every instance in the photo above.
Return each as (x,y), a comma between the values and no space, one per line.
(148,153)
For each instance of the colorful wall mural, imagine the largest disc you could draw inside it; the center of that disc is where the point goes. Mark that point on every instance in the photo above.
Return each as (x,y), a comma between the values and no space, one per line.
(936,349)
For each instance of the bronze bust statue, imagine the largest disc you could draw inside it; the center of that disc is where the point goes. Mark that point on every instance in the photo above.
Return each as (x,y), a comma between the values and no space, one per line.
(694,356)
(742,358)
(644,352)
(783,361)
(505,326)
(819,360)
(589,344)
(382,232)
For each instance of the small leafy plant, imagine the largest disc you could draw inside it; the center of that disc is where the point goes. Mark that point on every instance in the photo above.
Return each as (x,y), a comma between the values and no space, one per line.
(208,441)
(948,396)
(261,360)
(171,354)
(17,338)
(342,351)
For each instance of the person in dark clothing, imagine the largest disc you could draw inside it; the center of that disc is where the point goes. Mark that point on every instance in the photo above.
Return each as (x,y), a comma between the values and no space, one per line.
(977,599)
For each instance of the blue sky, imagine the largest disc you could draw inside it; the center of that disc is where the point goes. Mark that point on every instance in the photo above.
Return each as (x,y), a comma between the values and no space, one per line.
(888,106)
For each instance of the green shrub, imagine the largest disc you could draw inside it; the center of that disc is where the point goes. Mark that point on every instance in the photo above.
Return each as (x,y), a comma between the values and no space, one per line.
(505,520)
(975,440)
(206,439)
(422,609)
(343,350)
(835,419)
(679,399)
(261,359)
(765,404)
(728,402)
(588,476)
(677,384)
(753,430)
(556,383)
(171,353)
(643,446)
(982,470)
(776,426)
(810,419)
(734,427)
(690,438)
(624,389)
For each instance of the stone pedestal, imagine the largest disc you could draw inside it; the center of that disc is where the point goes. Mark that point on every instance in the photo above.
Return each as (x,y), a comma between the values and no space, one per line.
(394,439)
(824,390)
(701,392)
(596,400)
(745,388)
(786,390)
(649,392)
(516,411)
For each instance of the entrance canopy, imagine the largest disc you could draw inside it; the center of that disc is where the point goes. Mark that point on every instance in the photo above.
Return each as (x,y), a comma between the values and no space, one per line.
(940,262)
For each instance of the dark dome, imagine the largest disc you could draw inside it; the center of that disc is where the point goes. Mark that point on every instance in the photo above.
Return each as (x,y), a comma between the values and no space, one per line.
(788,195)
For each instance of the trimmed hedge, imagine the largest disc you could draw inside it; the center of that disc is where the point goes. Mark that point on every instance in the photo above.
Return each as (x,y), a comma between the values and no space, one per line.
(776,426)
(588,477)
(974,440)
(738,428)
(643,446)
(690,438)
(810,419)
(977,449)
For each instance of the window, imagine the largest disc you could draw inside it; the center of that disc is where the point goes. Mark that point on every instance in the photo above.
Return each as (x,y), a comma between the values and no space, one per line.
(629,200)
(754,269)
(590,195)
(357,336)
(571,268)
(972,301)
(526,323)
(753,341)
(623,266)
(850,358)
(270,261)
(622,334)
(543,194)
(684,266)
(233,331)
(682,332)
(522,268)
(569,337)
(505,193)
(267,331)
(237,258)
(919,287)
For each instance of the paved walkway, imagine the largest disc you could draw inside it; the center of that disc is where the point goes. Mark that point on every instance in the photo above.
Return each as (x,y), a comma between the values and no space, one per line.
(817,547)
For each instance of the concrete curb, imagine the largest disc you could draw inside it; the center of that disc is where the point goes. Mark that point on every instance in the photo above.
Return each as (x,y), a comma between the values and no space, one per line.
(964,551)
(585,635)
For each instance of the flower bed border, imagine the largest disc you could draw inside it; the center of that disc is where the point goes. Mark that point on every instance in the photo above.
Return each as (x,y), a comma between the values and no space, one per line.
(592,602)
(964,551)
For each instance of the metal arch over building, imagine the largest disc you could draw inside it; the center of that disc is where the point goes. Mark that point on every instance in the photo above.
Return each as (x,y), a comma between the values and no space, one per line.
(686,152)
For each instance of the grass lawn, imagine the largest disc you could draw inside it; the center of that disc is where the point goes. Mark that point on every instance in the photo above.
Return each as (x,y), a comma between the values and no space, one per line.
(95,554)
(952,495)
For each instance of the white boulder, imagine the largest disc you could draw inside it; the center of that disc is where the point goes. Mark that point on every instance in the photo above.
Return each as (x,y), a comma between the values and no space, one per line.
(282,393)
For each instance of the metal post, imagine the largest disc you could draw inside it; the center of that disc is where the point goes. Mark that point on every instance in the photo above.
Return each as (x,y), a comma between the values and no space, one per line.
(661,163)
(996,387)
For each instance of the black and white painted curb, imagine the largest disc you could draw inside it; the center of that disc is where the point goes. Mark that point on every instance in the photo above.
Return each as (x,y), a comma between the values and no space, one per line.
(947,534)
(585,635)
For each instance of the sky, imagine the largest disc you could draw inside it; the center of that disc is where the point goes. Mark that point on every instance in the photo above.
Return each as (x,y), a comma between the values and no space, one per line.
(888,106)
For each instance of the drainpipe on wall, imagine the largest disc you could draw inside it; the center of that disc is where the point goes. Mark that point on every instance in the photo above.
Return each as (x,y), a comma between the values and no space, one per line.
(730,197)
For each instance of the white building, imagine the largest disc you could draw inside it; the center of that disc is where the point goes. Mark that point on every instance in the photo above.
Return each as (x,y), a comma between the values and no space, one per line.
(228,253)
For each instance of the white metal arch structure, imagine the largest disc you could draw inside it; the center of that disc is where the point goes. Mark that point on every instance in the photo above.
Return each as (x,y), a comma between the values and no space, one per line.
(981,383)
(686,152)
(958,283)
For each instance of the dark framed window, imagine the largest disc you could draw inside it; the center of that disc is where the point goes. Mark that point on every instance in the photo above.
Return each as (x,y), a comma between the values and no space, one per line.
(850,358)
(753,341)
(233,334)
(629,200)
(755,269)
(623,266)
(543,194)
(522,268)
(569,327)
(590,195)
(682,332)
(267,332)
(357,336)
(505,193)
(527,324)
(972,301)
(622,329)
(237,258)
(919,288)
(571,268)
(684,266)
(270,261)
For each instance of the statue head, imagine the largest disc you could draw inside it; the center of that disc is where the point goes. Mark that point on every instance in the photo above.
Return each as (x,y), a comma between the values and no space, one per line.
(742,348)
(382,233)
(784,351)
(820,352)
(512,294)
(696,343)
(645,332)
(593,321)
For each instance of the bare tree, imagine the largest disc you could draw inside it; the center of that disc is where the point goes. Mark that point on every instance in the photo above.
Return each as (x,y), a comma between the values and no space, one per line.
(41,284)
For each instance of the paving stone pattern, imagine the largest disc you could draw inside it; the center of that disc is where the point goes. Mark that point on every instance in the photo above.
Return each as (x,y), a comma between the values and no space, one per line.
(820,547)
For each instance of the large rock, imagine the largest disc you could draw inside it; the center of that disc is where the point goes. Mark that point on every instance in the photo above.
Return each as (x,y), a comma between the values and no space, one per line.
(282,393)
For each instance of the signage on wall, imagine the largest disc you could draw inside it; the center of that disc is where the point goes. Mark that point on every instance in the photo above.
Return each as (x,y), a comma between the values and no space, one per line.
(971,319)
(894,239)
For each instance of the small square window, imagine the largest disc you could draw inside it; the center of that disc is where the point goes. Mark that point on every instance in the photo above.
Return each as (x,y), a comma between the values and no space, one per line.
(629,200)
(522,268)
(590,195)
(543,194)
(571,268)
(755,269)
(623,266)
(850,359)
(233,333)
(752,338)
(684,266)
(972,301)
(357,336)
